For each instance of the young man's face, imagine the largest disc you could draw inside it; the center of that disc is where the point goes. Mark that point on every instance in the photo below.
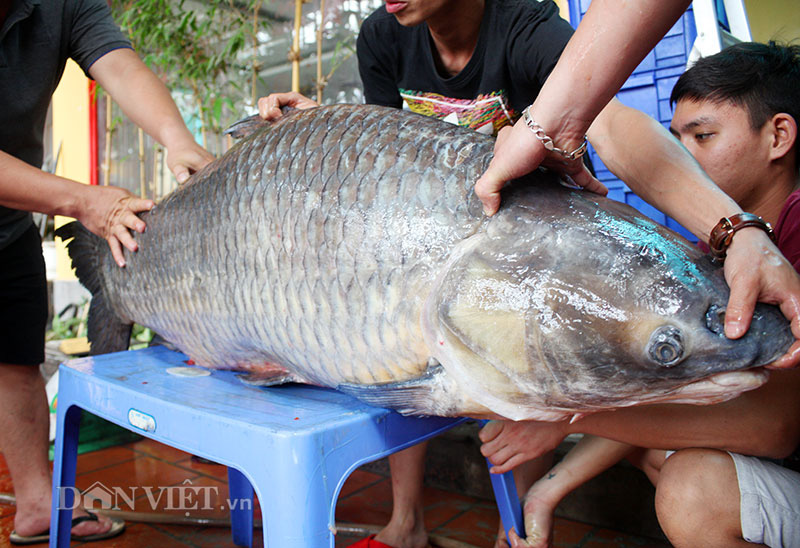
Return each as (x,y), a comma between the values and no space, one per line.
(721,139)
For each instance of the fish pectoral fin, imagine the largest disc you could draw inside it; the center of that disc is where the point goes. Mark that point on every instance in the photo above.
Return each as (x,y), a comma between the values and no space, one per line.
(418,396)
(269,378)
(160,340)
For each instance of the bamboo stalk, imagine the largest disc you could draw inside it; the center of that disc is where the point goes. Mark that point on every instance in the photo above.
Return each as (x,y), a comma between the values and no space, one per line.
(158,174)
(203,124)
(256,7)
(294,53)
(142,178)
(320,82)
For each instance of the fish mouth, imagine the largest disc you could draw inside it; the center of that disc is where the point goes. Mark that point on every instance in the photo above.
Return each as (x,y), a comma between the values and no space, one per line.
(714,389)
(773,331)
(768,337)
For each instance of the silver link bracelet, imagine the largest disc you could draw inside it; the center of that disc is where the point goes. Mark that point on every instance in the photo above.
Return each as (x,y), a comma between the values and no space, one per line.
(540,134)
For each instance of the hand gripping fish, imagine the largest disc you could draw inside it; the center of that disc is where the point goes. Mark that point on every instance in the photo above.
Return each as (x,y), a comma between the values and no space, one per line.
(343,246)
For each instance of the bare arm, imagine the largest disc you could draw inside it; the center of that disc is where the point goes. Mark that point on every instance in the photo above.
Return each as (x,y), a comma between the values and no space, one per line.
(109,212)
(147,102)
(764,422)
(610,41)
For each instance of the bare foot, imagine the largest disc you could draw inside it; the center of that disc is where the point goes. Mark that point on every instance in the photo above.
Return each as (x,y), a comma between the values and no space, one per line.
(538,521)
(538,511)
(38,522)
(404,534)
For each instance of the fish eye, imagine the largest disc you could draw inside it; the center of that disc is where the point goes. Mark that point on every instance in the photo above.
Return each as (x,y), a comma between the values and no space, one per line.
(666,346)
(666,351)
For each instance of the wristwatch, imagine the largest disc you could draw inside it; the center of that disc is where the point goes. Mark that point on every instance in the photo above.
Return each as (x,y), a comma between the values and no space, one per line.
(722,234)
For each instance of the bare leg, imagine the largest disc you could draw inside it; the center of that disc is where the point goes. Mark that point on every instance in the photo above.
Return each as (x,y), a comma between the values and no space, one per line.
(697,500)
(589,457)
(524,476)
(24,425)
(406,528)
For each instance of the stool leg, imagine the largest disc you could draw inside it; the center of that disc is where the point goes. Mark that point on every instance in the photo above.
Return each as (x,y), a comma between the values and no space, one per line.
(295,507)
(241,503)
(64,463)
(505,493)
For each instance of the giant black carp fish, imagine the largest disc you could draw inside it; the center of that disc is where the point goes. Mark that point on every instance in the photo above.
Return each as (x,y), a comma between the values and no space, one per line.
(343,246)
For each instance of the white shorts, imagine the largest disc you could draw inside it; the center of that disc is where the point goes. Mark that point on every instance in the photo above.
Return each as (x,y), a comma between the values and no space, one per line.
(769,502)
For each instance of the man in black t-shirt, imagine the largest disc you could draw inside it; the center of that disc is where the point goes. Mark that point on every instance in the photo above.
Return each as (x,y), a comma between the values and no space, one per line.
(36,39)
(516,43)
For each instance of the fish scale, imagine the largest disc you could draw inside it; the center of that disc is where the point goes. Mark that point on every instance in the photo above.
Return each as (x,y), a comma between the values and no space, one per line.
(355,354)
(344,245)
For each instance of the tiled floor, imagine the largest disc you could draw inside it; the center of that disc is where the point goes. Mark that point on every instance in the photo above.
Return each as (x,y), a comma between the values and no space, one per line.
(365,499)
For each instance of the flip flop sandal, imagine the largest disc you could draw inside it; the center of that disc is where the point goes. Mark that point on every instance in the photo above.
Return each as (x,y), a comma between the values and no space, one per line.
(117,527)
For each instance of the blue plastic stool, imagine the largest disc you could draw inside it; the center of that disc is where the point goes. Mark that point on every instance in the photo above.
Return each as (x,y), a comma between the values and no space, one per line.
(293,445)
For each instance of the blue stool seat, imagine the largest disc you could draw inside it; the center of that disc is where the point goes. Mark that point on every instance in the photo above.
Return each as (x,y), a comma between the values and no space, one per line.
(294,445)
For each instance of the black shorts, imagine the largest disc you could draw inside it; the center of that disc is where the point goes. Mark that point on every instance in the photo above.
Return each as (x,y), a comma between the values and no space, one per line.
(23,300)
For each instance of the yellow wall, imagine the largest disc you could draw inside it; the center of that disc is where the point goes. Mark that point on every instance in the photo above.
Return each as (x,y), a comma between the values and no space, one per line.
(777,20)
(71,132)
(563,6)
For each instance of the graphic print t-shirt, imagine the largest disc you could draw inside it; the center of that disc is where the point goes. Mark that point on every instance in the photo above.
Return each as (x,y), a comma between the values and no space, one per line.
(519,43)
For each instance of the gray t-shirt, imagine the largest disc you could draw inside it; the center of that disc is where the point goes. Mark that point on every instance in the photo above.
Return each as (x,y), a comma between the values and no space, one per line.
(36,39)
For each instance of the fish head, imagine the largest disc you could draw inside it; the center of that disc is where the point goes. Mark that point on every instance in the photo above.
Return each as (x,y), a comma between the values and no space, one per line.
(569,304)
